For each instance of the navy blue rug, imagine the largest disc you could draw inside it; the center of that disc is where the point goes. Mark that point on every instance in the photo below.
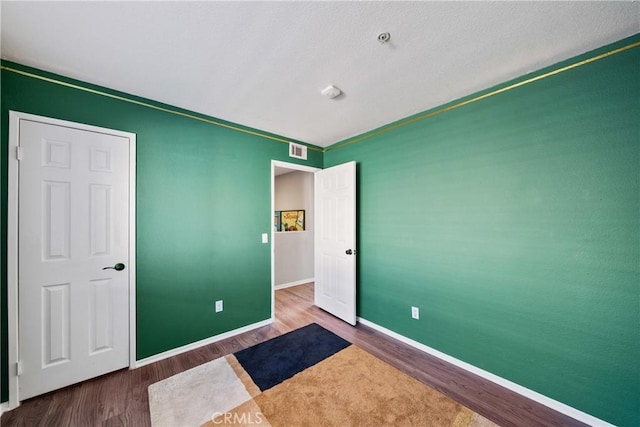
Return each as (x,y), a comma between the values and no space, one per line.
(271,362)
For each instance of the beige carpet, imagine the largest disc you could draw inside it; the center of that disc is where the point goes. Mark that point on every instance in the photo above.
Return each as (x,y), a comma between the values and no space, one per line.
(350,388)
(191,397)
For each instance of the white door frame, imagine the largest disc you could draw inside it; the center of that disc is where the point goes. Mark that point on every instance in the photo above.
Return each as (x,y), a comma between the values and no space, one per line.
(286,165)
(12,238)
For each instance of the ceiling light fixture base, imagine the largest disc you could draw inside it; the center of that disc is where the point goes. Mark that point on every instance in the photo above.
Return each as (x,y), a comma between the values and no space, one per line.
(331,92)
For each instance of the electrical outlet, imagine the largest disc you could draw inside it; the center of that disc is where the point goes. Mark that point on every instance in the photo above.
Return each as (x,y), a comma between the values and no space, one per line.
(415,312)
(219,306)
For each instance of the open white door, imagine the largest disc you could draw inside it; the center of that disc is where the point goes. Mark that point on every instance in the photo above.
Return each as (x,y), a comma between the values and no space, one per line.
(74,255)
(335,241)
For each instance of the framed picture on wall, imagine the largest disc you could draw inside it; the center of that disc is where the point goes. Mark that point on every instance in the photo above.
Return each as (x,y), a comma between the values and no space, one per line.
(292,220)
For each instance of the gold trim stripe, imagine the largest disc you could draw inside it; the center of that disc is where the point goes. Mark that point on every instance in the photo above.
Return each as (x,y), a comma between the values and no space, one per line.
(155,107)
(347,142)
(481,97)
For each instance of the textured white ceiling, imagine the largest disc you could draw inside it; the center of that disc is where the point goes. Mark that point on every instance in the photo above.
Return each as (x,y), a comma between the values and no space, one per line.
(263,64)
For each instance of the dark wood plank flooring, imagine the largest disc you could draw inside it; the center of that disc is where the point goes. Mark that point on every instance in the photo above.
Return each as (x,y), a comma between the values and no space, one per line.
(120,398)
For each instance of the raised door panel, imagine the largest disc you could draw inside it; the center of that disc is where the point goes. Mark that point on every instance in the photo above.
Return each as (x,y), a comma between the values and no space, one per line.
(101,316)
(100,219)
(56,221)
(56,324)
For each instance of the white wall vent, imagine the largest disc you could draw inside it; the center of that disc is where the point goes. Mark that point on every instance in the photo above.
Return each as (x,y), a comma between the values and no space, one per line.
(297,151)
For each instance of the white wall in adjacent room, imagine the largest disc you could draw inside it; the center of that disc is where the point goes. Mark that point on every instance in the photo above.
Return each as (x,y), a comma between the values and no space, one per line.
(293,257)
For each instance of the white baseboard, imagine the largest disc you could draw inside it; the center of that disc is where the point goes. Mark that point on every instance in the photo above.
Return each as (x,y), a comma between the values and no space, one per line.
(198,344)
(296,283)
(528,393)
(3,407)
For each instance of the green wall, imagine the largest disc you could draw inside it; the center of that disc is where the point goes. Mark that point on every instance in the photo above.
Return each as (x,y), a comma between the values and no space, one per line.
(513,223)
(203,200)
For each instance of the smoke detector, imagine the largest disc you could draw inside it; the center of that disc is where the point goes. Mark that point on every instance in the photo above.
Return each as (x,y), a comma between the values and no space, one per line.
(384,37)
(331,92)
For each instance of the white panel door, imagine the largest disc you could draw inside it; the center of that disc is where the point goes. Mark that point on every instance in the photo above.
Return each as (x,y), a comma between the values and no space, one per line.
(73,206)
(335,241)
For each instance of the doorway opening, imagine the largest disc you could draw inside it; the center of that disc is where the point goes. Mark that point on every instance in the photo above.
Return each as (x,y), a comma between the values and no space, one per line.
(292,252)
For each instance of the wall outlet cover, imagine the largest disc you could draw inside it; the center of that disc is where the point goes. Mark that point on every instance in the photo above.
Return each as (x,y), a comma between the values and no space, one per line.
(415,312)
(219,306)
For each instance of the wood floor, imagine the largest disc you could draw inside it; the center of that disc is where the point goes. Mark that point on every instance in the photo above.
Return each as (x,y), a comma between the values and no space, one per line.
(120,398)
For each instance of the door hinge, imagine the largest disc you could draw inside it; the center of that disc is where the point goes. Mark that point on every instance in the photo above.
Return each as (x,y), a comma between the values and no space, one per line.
(19,368)
(19,153)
